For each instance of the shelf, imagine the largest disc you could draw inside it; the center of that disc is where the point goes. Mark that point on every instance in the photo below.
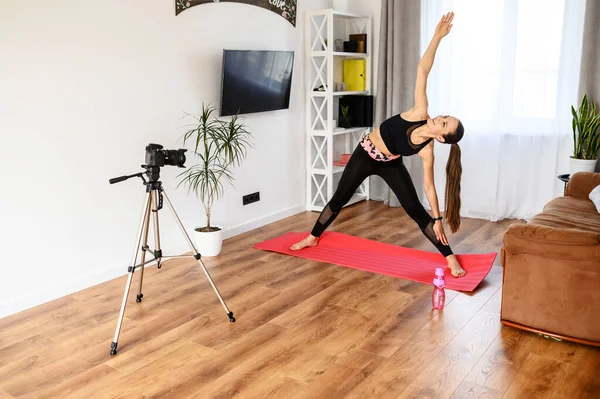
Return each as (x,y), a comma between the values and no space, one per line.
(355,55)
(335,169)
(337,93)
(349,15)
(338,132)
(323,67)
(338,54)
(351,130)
(337,14)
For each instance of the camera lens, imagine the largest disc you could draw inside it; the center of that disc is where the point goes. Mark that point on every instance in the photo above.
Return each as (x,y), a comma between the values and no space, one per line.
(175,157)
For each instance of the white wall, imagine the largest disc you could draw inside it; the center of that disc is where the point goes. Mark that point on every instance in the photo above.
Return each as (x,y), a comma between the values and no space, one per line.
(84,87)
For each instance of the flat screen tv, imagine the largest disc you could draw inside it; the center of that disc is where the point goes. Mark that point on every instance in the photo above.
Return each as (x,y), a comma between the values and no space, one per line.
(255,81)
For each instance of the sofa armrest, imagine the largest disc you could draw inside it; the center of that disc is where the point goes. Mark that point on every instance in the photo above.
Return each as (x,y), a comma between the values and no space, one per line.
(581,184)
(550,281)
(552,242)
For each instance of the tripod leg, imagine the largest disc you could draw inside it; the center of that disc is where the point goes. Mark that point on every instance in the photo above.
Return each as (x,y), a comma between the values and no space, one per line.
(197,256)
(131,269)
(144,245)
(157,249)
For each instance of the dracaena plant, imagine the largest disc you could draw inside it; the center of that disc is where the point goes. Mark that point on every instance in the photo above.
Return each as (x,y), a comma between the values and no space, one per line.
(586,132)
(219,145)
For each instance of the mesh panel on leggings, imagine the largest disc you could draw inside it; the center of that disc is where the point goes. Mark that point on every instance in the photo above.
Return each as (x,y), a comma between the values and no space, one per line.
(325,215)
(430,234)
(428,230)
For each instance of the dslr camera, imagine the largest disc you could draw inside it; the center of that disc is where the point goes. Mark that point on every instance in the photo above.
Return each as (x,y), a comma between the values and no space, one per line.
(157,157)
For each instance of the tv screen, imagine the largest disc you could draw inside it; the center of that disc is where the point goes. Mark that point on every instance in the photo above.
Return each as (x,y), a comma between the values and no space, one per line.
(255,81)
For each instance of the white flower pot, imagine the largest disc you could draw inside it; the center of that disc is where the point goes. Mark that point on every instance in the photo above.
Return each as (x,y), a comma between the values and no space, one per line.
(340,5)
(209,243)
(582,165)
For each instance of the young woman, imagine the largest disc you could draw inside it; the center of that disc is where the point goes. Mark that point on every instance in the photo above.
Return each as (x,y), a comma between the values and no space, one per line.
(380,153)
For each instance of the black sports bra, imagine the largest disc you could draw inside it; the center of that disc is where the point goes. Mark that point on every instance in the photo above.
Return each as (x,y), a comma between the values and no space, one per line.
(396,132)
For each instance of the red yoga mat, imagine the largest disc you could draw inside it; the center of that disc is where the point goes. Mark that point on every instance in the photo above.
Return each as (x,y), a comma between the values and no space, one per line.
(391,260)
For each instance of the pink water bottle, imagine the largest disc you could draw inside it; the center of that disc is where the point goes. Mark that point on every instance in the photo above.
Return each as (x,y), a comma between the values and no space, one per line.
(439,295)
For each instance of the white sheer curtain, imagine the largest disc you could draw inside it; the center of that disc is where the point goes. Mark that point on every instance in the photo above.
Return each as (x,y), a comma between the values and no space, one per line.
(509,70)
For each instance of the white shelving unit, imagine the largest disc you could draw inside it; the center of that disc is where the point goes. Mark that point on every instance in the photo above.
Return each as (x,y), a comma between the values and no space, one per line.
(323,67)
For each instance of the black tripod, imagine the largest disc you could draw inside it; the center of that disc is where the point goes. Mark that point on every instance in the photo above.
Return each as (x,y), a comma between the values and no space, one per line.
(152,204)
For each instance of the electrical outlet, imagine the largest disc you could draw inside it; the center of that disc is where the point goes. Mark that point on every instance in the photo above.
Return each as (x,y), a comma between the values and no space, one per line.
(250,198)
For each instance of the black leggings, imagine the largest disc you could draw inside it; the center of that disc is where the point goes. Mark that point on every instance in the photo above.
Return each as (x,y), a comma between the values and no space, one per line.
(394,173)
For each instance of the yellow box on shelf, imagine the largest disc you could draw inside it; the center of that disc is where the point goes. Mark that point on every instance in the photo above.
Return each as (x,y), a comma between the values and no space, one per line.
(355,74)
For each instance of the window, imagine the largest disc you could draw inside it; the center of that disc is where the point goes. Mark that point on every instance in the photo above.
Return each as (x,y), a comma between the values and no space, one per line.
(509,66)
(537,57)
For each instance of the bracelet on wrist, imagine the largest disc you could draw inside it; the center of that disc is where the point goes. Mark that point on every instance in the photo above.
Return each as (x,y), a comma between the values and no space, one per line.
(438,218)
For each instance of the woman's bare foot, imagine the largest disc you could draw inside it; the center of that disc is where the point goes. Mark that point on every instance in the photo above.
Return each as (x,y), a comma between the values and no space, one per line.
(309,241)
(454,267)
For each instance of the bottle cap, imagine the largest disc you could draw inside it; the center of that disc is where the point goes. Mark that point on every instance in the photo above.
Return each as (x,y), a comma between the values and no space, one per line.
(439,272)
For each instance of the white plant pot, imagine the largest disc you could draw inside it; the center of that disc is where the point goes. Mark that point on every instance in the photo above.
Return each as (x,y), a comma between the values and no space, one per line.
(209,243)
(340,5)
(582,165)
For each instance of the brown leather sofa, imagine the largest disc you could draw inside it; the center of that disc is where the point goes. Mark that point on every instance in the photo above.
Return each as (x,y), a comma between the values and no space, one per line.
(551,281)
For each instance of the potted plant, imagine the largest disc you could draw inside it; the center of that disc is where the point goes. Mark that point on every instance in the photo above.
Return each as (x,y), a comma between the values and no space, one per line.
(219,145)
(586,136)
(345,119)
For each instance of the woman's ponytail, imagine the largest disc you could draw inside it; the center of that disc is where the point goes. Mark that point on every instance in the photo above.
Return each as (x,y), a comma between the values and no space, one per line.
(453,175)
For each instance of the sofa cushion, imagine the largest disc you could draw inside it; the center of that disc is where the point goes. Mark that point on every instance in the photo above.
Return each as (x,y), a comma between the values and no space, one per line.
(569,213)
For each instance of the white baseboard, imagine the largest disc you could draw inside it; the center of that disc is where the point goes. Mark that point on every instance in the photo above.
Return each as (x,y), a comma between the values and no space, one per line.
(263,221)
(27,302)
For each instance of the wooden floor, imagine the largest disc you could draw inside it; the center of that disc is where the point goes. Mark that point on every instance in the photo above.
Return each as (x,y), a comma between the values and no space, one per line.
(304,330)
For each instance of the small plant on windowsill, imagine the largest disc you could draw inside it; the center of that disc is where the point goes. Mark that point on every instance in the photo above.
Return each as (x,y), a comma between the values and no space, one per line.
(586,136)
(345,119)
(220,145)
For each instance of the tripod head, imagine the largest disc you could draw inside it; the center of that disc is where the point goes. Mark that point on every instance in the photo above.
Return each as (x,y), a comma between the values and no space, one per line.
(152,173)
